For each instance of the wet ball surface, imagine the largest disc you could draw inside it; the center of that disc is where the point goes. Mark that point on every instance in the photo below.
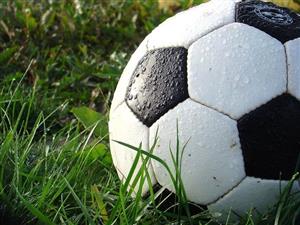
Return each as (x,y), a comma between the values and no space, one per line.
(158,84)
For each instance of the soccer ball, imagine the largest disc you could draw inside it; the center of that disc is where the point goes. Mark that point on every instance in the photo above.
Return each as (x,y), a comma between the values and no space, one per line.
(223,79)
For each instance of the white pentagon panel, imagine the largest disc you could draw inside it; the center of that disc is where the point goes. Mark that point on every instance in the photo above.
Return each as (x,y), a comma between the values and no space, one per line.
(293,59)
(125,127)
(187,26)
(235,69)
(251,194)
(212,160)
(120,92)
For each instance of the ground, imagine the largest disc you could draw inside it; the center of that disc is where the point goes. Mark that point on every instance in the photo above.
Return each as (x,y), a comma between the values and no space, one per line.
(60,62)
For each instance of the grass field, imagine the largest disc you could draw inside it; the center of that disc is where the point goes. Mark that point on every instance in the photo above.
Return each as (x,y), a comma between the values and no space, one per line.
(60,62)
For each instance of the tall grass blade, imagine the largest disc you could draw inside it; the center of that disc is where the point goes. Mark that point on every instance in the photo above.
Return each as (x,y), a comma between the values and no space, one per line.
(80,204)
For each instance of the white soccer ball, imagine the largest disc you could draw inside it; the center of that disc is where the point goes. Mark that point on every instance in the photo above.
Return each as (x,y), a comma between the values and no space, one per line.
(226,74)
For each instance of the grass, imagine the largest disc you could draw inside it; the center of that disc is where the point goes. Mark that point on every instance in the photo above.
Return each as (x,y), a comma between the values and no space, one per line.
(59,64)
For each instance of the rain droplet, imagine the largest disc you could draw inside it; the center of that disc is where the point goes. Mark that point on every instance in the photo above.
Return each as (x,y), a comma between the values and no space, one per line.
(237,78)
(246,80)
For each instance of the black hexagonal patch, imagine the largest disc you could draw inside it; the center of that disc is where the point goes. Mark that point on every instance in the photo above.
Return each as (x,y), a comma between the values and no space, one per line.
(167,202)
(158,84)
(280,23)
(270,138)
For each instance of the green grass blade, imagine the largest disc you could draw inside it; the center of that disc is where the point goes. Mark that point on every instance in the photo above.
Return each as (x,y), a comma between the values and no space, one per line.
(100,203)
(82,206)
